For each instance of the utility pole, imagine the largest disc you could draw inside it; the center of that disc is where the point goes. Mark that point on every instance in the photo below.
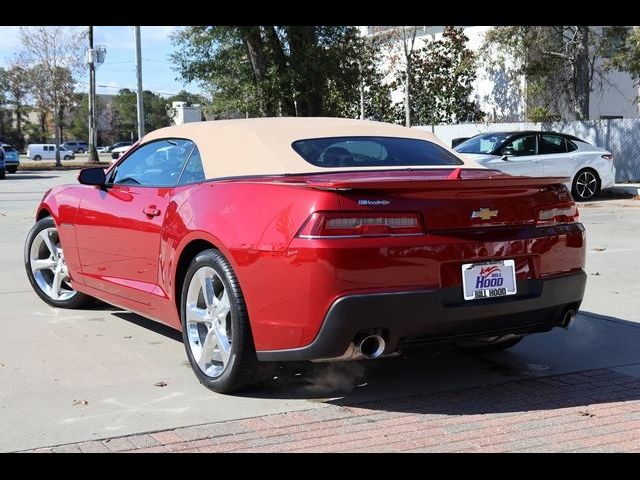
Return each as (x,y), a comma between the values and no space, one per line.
(91,60)
(139,76)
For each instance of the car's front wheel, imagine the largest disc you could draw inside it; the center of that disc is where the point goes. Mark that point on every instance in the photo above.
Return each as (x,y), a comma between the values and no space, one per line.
(12,169)
(215,325)
(47,269)
(586,184)
(67,157)
(2,173)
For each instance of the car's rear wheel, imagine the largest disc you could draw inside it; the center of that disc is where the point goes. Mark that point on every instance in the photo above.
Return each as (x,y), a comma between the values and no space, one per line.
(2,173)
(37,158)
(491,344)
(67,157)
(12,169)
(215,325)
(80,150)
(47,269)
(586,184)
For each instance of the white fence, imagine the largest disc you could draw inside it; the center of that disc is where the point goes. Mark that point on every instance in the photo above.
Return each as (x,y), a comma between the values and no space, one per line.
(619,136)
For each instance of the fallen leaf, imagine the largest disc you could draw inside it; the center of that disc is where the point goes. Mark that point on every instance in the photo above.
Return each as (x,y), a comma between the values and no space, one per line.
(2,365)
(128,336)
(160,384)
(599,249)
(80,402)
(586,414)
(597,274)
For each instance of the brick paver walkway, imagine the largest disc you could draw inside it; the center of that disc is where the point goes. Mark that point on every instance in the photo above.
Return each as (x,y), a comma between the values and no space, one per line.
(592,411)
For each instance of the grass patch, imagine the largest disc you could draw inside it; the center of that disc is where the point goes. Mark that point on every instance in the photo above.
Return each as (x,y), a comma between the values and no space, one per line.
(51,165)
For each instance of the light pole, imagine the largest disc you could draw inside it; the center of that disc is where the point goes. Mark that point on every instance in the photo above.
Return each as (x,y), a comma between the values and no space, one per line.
(93,154)
(139,77)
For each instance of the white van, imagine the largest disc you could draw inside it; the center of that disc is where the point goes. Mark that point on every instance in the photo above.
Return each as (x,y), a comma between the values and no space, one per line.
(47,151)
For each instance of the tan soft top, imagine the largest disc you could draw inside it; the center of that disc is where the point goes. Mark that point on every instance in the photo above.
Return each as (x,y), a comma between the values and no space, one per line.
(262,146)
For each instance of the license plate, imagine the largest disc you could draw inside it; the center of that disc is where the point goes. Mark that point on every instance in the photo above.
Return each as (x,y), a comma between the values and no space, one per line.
(489,279)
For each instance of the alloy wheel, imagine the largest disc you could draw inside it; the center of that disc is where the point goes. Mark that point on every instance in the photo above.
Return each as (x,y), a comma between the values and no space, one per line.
(586,184)
(48,266)
(208,321)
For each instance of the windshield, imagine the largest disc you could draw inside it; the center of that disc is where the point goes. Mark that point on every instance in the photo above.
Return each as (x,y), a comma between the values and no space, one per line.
(8,148)
(373,152)
(485,143)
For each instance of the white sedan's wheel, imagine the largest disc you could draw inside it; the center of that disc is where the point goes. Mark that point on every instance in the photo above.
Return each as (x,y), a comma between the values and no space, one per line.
(586,185)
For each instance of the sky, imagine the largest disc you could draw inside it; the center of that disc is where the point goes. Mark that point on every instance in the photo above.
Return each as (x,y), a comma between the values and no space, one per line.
(119,68)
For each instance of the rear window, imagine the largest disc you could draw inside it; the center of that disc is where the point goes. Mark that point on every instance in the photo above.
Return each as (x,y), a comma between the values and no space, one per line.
(373,152)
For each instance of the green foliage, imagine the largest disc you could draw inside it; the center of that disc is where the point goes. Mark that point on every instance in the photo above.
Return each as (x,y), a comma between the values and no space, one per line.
(542,114)
(80,126)
(281,70)
(627,56)
(156,113)
(441,82)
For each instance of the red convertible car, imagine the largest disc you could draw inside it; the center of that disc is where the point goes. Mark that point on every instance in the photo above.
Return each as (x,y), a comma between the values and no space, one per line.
(278,239)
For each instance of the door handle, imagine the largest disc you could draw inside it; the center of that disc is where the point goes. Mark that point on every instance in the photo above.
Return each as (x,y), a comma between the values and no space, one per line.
(151,211)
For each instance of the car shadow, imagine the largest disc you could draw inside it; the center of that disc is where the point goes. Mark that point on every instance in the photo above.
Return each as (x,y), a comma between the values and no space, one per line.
(449,381)
(152,325)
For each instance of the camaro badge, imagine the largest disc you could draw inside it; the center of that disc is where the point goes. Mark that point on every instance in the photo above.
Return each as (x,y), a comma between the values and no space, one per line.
(484,214)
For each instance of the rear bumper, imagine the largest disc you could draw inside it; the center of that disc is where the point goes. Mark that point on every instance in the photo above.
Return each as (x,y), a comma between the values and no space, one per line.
(438,316)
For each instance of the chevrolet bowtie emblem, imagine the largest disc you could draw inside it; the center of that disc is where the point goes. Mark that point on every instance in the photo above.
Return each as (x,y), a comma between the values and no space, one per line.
(484,214)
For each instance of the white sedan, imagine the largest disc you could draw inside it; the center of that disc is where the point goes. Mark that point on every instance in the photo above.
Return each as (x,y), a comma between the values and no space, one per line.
(544,154)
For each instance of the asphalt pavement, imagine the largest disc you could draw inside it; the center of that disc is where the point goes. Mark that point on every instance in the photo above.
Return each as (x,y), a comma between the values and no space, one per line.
(78,376)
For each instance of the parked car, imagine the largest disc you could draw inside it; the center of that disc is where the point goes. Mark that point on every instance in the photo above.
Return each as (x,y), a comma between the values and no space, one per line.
(2,166)
(287,239)
(116,152)
(47,151)
(589,168)
(102,149)
(457,141)
(11,158)
(76,146)
(110,148)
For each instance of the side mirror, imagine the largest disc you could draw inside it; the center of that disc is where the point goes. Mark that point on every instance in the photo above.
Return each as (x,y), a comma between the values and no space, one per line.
(92,176)
(507,152)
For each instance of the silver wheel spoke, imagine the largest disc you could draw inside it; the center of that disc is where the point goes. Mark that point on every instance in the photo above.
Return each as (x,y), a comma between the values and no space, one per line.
(44,264)
(208,348)
(56,285)
(222,341)
(207,287)
(46,237)
(195,314)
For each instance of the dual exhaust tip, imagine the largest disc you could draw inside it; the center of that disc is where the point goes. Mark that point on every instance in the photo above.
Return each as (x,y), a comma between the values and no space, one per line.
(370,346)
(569,316)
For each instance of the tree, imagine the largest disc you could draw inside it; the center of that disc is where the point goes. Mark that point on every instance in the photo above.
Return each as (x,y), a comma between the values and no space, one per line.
(442,79)
(79,127)
(273,70)
(17,90)
(560,64)
(52,55)
(156,113)
(627,54)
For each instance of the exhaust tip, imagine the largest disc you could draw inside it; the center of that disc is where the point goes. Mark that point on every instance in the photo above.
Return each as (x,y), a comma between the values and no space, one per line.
(371,346)
(569,316)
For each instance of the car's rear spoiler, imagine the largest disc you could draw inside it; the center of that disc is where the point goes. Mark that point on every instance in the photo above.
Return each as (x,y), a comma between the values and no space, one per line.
(440,179)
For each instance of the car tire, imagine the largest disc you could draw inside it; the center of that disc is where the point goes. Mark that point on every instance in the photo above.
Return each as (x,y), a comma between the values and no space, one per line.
(80,150)
(37,158)
(12,169)
(586,185)
(46,268)
(67,157)
(2,173)
(216,332)
(490,344)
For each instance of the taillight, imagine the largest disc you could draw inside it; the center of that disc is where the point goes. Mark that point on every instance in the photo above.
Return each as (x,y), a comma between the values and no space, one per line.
(607,157)
(558,215)
(355,224)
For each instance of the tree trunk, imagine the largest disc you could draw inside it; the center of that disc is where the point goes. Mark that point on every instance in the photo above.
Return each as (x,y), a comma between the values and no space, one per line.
(57,117)
(43,125)
(255,50)
(1,122)
(581,74)
(407,93)
(309,83)
(287,106)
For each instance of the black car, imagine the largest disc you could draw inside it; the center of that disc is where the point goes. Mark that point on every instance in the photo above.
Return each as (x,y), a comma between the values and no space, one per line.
(118,145)
(76,146)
